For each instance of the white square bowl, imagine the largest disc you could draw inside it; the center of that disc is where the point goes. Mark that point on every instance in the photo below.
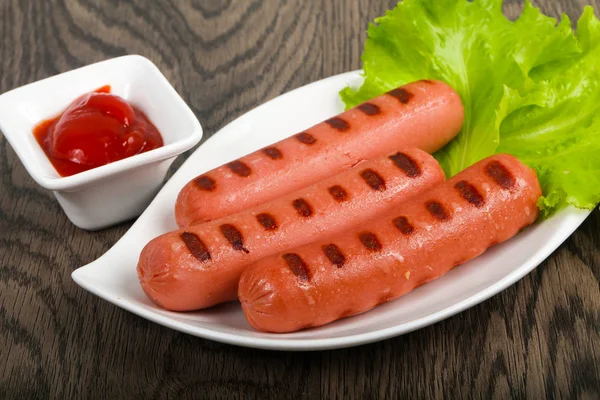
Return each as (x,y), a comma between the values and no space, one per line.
(118,191)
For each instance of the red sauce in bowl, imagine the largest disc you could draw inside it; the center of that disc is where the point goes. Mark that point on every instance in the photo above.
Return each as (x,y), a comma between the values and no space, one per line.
(98,128)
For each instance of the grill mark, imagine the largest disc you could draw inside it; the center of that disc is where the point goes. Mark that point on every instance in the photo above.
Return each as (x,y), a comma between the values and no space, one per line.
(373,179)
(406,164)
(196,246)
(470,193)
(302,207)
(369,109)
(273,153)
(334,255)
(234,236)
(267,221)
(437,210)
(403,225)
(401,94)
(500,174)
(297,265)
(306,138)
(206,183)
(338,124)
(370,241)
(239,168)
(338,193)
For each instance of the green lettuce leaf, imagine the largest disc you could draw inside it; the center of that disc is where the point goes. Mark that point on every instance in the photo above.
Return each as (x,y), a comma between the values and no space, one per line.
(529,87)
(561,139)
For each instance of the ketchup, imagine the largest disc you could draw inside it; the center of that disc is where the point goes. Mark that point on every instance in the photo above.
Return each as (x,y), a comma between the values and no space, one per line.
(96,129)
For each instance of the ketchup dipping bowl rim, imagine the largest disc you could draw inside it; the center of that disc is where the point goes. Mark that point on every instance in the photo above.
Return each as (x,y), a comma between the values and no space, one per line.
(132,77)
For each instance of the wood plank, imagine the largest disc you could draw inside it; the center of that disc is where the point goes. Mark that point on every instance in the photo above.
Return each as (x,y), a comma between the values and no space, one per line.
(540,338)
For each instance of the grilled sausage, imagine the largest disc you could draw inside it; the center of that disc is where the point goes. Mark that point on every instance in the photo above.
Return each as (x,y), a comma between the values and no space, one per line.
(418,241)
(424,114)
(200,266)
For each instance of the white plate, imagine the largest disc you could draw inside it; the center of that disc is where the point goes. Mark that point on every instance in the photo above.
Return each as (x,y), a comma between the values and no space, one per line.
(113,276)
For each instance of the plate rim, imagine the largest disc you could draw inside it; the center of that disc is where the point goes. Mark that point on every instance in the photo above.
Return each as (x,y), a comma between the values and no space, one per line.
(277,343)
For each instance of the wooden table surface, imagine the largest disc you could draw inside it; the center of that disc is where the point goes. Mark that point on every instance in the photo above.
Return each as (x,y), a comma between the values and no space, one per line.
(539,338)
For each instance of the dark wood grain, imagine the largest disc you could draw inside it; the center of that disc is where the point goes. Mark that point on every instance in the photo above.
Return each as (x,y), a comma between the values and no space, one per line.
(540,338)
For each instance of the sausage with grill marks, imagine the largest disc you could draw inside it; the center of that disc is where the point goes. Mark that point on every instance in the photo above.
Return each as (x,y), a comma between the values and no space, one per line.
(424,114)
(200,266)
(418,241)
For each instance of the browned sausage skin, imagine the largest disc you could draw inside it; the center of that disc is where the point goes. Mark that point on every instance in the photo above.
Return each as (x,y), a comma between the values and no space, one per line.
(424,115)
(419,241)
(200,266)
